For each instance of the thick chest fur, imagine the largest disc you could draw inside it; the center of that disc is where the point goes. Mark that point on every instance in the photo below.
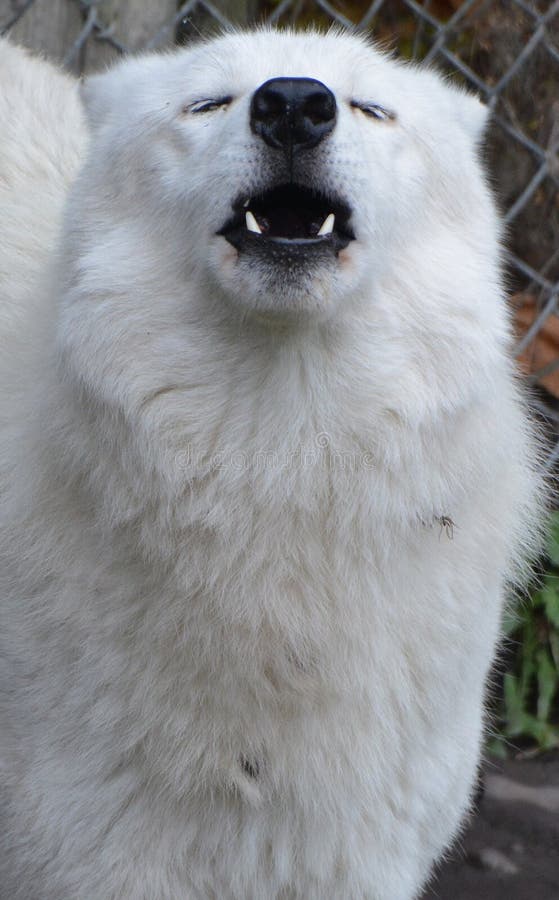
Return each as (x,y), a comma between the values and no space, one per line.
(290,630)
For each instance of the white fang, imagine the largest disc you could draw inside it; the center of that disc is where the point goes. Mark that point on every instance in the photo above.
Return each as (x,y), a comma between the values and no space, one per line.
(251,223)
(327,226)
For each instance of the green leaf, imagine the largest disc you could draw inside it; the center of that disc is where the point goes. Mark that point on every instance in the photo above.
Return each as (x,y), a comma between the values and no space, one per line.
(528,649)
(530,698)
(497,747)
(514,709)
(548,681)
(550,599)
(545,735)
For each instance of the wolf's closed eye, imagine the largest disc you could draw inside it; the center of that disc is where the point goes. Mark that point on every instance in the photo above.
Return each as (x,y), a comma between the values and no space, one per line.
(205,106)
(373,110)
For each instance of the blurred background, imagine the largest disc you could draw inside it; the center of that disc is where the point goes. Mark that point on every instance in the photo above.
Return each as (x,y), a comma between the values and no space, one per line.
(508,52)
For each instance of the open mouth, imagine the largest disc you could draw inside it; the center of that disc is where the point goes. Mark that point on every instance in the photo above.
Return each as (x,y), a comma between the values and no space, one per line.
(290,215)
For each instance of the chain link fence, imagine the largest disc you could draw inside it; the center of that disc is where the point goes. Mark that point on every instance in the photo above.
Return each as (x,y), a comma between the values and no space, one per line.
(506,50)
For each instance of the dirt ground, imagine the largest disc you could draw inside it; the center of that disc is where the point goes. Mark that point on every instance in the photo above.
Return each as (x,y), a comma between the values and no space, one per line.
(511,849)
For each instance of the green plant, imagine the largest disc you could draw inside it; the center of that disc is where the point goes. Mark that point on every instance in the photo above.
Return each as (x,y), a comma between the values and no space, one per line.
(529,708)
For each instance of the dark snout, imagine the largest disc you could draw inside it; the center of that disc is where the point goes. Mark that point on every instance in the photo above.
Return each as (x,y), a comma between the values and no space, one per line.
(293,114)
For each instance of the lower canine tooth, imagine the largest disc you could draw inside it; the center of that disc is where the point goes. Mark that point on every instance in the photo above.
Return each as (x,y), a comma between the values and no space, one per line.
(327,226)
(251,223)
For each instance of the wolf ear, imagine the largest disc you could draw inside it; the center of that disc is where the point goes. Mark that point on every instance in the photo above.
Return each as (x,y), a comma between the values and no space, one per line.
(472,114)
(94,100)
(98,94)
(110,93)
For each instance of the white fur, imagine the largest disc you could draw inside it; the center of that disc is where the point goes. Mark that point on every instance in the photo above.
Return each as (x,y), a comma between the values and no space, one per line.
(220,533)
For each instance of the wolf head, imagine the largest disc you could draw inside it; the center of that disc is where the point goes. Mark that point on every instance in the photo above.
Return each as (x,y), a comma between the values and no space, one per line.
(270,193)
(288,172)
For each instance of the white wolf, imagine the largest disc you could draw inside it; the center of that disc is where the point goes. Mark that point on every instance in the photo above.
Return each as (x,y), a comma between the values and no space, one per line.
(264,472)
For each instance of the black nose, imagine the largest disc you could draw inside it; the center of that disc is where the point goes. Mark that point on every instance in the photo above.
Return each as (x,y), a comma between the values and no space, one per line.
(292,113)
